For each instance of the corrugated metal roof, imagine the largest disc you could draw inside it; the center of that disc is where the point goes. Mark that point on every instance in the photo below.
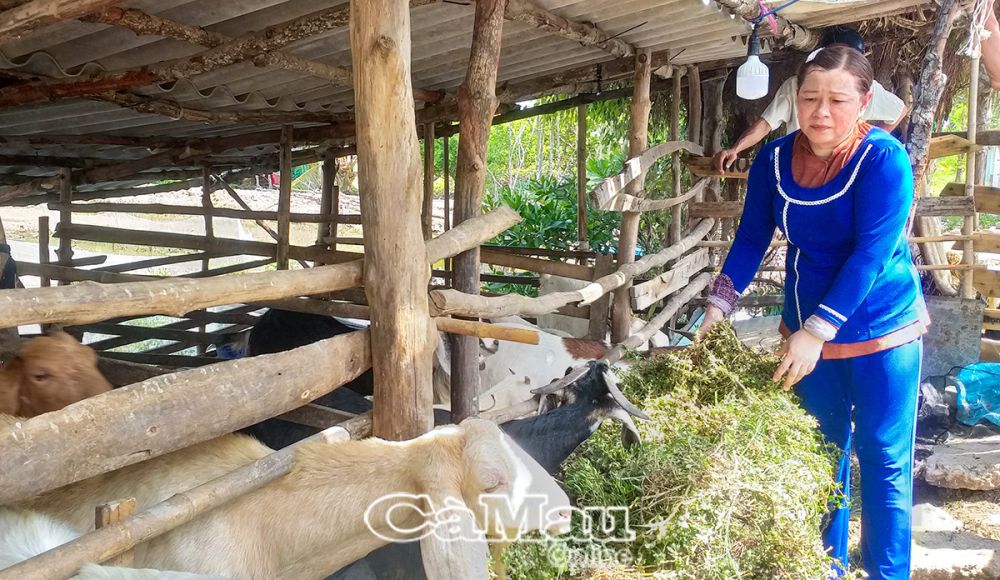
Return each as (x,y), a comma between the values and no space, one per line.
(441,37)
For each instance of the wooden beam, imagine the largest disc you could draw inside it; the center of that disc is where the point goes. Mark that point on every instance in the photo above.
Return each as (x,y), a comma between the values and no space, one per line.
(989,138)
(22,19)
(167,209)
(195,242)
(621,317)
(530,13)
(552,267)
(477,103)
(166,413)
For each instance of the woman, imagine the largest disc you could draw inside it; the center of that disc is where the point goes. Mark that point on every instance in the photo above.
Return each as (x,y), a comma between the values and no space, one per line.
(853,318)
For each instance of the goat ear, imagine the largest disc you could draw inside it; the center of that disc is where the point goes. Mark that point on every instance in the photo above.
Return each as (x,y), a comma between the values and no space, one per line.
(456,549)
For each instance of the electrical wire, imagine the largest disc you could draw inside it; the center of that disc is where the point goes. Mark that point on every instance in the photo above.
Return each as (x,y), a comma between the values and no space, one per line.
(770,12)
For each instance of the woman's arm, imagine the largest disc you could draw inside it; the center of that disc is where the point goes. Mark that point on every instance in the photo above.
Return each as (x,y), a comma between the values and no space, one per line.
(881,208)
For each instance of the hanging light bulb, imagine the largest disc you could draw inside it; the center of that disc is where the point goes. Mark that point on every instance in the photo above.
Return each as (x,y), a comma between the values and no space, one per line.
(752,76)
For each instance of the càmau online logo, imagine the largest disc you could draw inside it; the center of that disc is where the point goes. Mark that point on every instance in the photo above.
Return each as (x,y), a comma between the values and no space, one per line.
(405,517)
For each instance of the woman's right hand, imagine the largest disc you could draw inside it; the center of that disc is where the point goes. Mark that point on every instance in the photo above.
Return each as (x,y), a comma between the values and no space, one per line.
(713,314)
(723,159)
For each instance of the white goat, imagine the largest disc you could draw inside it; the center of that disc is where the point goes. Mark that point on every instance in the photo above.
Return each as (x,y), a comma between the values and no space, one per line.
(25,534)
(332,508)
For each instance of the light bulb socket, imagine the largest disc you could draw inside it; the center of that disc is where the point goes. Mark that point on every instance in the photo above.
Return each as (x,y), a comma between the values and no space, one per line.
(753,47)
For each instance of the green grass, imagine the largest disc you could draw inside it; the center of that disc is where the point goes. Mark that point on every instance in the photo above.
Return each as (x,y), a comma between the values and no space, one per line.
(732,479)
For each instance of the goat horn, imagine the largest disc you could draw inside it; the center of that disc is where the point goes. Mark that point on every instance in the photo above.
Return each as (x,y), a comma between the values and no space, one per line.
(562,383)
(620,398)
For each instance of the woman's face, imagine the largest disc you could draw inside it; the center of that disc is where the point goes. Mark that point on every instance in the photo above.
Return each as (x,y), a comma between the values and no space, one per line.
(829,105)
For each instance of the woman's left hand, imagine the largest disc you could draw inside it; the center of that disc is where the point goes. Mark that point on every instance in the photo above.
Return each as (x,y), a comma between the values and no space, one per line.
(799,355)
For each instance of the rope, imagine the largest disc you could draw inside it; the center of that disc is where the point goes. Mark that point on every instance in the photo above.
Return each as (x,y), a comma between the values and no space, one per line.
(977,27)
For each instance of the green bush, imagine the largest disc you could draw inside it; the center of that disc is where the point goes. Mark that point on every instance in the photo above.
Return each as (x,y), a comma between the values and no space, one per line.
(732,479)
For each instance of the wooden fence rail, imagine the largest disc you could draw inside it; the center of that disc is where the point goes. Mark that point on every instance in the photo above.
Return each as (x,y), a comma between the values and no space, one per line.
(80,304)
(455,303)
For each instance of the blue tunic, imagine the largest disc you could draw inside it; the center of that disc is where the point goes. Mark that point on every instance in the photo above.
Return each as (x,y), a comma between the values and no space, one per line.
(848,260)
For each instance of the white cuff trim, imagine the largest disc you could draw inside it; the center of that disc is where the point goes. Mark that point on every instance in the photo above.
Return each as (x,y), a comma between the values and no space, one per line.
(833,313)
(820,328)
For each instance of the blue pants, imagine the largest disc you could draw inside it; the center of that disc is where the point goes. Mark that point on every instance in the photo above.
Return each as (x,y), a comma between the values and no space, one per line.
(881,390)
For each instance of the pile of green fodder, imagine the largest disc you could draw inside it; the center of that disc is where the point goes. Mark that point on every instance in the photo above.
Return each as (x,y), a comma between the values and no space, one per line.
(732,479)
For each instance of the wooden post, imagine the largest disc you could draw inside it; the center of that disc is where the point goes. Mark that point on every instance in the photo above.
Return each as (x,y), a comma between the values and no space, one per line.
(968,291)
(694,105)
(330,204)
(65,253)
(114,512)
(44,257)
(581,177)
(389,173)
(712,125)
(446,162)
(477,102)
(638,136)
(284,196)
(206,204)
(676,227)
(9,334)
(427,213)
(601,307)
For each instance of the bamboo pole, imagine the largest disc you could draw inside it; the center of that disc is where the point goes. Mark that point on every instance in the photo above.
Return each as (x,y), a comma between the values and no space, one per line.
(581,177)
(447,180)
(427,212)
(388,173)
(621,315)
(677,213)
(81,304)
(968,290)
(477,103)
(284,196)
(114,512)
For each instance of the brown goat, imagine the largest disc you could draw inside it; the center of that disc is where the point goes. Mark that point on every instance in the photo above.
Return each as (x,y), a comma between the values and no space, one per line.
(49,373)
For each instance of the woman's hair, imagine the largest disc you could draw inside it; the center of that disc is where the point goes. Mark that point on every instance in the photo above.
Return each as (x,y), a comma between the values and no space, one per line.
(840,56)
